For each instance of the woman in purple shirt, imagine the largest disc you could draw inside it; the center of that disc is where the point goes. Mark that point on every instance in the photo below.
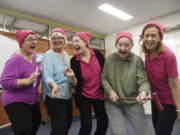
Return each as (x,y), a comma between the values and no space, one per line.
(161,68)
(20,95)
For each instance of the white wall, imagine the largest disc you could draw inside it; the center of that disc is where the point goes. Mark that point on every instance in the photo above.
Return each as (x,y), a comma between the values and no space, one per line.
(168,21)
(7,48)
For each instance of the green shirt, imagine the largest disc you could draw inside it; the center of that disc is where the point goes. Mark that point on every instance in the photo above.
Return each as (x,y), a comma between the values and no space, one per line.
(126,77)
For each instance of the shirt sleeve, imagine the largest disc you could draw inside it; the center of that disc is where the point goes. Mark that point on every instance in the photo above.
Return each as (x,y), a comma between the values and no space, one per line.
(141,77)
(47,70)
(10,75)
(104,78)
(171,65)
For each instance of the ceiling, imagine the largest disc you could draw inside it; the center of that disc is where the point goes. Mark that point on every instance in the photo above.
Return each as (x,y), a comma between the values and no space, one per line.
(84,14)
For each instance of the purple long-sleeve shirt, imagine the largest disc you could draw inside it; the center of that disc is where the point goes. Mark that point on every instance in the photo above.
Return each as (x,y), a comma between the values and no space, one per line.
(19,68)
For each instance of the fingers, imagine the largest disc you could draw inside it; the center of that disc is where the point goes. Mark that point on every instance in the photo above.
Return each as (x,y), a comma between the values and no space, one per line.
(68,72)
(113,96)
(34,75)
(178,118)
(55,92)
(32,78)
(67,69)
(141,99)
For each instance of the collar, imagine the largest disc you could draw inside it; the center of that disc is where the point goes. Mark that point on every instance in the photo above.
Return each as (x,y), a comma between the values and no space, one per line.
(78,58)
(56,52)
(159,56)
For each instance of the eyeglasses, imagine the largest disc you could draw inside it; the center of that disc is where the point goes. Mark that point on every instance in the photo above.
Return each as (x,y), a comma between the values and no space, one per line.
(55,39)
(31,40)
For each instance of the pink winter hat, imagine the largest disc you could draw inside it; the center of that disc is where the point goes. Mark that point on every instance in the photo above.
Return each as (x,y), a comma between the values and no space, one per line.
(123,34)
(85,36)
(158,25)
(61,30)
(21,34)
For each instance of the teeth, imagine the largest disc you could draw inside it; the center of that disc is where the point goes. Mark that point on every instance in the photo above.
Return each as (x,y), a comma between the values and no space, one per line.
(149,43)
(32,46)
(57,43)
(77,47)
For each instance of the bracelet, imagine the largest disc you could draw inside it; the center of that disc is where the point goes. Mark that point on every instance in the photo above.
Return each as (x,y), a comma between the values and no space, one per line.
(178,110)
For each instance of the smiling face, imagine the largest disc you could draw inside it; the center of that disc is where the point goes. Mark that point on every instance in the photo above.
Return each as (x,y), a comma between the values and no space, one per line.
(57,42)
(151,38)
(124,46)
(29,44)
(79,45)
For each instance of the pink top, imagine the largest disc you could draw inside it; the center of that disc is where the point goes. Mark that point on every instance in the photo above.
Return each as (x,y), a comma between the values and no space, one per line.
(91,77)
(158,70)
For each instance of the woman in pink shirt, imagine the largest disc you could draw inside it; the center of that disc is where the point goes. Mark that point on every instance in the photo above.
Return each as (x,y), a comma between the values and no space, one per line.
(161,68)
(87,65)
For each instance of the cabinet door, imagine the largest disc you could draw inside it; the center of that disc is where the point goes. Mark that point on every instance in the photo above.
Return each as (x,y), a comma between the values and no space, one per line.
(3,115)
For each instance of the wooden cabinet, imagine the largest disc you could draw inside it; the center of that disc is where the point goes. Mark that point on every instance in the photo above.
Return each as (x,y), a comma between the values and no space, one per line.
(3,116)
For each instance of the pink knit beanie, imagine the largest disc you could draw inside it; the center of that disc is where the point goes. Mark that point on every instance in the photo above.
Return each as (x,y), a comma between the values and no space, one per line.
(85,36)
(61,30)
(21,34)
(123,34)
(158,25)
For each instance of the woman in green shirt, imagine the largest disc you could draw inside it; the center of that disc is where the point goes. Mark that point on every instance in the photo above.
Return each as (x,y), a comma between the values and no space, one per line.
(124,76)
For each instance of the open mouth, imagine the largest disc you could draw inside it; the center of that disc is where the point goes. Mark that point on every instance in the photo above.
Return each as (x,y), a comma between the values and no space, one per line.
(123,53)
(149,43)
(77,48)
(58,43)
(32,47)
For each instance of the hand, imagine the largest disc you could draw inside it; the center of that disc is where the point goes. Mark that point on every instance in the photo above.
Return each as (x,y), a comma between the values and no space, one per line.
(178,117)
(68,72)
(55,91)
(32,78)
(113,96)
(141,98)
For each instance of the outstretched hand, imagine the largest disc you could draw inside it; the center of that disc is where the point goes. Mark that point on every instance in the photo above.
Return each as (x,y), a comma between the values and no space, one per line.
(55,91)
(68,72)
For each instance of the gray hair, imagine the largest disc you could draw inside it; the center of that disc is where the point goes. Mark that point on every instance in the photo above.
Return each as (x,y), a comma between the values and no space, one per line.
(125,39)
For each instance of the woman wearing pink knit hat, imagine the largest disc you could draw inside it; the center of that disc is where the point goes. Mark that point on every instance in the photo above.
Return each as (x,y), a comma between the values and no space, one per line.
(87,65)
(57,77)
(20,96)
(124,76)
(161,68)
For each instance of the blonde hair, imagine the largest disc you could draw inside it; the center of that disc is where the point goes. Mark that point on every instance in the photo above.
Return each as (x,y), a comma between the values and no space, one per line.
(159,48)
(60,35)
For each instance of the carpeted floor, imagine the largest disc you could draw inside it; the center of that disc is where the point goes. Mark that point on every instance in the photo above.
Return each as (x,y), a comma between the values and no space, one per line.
(45,128)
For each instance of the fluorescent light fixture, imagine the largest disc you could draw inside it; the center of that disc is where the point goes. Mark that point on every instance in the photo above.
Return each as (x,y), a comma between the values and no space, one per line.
(114,11)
